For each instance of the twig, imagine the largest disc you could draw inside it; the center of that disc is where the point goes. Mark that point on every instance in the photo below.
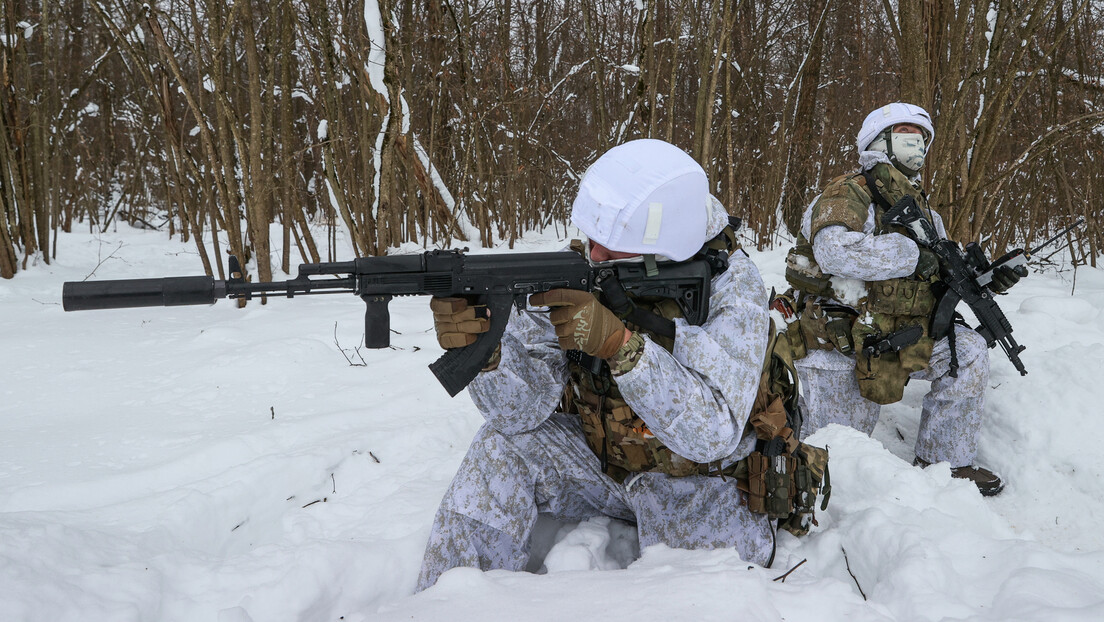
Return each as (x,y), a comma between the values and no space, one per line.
(783,577)
(272,409)
(374,457)
(133,217)
(334,483)
(356,351)
(322,500)
(102,262)
(848,564)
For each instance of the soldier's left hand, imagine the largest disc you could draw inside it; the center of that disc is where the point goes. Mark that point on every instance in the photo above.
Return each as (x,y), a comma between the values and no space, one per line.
(582,323)
(1004,277)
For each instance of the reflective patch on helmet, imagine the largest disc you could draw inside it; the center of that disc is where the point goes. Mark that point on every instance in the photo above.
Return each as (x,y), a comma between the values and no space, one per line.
(655,219)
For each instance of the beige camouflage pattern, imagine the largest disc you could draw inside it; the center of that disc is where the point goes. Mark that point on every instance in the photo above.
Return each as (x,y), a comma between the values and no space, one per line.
(529,459)
(626,357)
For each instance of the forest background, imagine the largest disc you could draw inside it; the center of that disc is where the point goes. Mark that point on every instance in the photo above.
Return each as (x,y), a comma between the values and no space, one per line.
(448,122)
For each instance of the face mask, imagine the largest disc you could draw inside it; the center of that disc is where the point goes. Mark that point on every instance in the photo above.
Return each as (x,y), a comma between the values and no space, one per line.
(907,151)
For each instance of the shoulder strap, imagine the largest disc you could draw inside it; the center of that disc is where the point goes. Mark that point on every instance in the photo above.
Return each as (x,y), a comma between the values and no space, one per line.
(872,184)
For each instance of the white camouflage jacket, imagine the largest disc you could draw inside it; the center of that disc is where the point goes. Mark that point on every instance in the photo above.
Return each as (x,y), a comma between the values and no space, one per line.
(696,399)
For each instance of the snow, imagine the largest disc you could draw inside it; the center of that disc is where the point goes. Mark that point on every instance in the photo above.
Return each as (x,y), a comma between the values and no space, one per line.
(848,291)
(215,463)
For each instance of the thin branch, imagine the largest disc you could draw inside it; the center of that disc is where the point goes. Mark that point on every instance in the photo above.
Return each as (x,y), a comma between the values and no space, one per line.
(783,577)
(848,564)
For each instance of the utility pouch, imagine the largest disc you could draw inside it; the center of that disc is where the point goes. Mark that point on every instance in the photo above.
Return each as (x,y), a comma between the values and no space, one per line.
(785,487)
(770,484)
(810,478)
(825,330)
(795,339)
(783,476)
(804,275)
(882,379)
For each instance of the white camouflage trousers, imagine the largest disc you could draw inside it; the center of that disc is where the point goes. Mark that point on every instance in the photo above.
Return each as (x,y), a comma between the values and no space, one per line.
(951,415)
(488,514)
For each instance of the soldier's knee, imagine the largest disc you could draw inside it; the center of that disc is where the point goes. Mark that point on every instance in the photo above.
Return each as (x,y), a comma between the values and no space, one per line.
(488,444)
(971,346)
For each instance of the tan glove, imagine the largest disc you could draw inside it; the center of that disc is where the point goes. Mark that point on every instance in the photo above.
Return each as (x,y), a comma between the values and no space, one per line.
(582,323)
(458,323)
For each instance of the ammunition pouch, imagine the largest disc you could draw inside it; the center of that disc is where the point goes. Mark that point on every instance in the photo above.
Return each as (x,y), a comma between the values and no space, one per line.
(771,484)
(821,328)
(625,444)
(901,297)
(785,486)
(783,476)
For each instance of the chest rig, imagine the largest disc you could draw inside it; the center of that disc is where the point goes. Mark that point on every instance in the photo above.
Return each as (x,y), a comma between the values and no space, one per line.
(893,310)
(781,478)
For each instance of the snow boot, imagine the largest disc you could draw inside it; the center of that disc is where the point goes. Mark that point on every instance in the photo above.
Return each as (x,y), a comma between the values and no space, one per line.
(988,483)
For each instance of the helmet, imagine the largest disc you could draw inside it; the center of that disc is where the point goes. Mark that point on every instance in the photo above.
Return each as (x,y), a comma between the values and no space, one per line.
(645,196)
(890,115)
(905,151)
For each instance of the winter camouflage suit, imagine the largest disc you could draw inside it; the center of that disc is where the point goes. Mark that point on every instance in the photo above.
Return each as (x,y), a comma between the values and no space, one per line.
(851,246)
(530,457)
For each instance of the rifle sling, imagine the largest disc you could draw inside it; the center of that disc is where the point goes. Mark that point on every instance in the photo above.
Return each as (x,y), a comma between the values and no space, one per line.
(872,184)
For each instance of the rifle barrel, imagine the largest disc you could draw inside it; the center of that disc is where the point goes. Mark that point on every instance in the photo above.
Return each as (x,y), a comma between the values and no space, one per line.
(1080,221)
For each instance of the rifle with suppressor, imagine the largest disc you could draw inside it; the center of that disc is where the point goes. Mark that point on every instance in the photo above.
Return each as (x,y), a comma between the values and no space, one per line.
(965,276)
(499,281)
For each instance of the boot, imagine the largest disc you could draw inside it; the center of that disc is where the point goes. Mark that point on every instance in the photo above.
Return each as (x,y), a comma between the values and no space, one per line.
(988,483)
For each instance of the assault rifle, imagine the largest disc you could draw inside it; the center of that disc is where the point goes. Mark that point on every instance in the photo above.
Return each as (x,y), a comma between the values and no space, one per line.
(965,276)
(498,281)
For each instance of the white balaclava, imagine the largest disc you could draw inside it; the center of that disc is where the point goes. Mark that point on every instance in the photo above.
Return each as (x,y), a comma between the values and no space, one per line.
(905,151)
(645,196)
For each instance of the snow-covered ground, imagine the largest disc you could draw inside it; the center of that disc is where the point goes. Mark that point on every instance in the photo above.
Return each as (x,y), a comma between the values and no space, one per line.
(211,463)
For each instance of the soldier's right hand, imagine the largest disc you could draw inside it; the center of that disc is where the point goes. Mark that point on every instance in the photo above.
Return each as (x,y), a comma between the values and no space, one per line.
(457,322)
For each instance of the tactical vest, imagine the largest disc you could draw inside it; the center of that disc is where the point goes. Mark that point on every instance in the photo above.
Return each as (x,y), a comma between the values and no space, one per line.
(887,307)
(781,478)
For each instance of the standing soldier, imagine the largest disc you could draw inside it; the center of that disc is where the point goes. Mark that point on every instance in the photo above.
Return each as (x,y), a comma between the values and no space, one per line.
(857,281)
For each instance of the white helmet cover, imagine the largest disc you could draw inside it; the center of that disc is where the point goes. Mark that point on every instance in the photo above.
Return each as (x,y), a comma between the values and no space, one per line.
(646,196)
(891,115)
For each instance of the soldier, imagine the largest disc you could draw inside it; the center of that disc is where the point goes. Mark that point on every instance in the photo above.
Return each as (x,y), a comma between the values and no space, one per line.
(591,414)
(856,279)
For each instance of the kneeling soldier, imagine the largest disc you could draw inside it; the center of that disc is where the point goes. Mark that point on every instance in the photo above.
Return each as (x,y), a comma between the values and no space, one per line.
(682,429)
(864,293)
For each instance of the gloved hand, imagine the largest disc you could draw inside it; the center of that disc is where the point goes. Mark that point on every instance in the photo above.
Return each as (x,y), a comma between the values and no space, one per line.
(1004,277)
(582,323)
(458,323)
(927,265)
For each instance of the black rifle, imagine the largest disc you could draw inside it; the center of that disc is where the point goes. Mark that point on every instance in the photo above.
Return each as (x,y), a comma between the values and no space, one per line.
(964,277)
(497,280)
